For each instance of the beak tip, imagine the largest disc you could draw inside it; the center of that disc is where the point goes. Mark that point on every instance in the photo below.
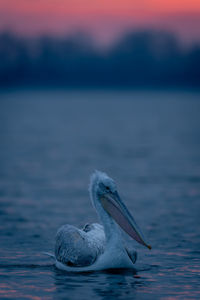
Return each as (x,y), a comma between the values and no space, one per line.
(149,247)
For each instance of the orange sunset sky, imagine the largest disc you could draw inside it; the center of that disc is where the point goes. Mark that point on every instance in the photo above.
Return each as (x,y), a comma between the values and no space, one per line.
(104,19)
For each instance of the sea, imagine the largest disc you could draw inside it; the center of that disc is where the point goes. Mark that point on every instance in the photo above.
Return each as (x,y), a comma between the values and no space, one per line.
(52,140)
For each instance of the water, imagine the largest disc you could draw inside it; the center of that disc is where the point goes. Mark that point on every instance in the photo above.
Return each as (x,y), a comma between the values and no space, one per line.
(51,141)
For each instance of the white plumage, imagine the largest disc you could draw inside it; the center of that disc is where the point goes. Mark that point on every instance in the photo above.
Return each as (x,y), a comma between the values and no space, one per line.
(98,247)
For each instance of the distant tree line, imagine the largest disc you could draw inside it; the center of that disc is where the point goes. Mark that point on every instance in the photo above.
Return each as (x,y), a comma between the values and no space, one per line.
(146,59)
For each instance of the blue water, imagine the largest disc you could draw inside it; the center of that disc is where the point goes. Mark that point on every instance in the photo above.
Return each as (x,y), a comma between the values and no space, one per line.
(51,141)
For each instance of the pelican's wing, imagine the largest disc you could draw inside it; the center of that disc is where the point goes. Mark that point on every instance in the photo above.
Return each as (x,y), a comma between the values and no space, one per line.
(132,253)
(79,248)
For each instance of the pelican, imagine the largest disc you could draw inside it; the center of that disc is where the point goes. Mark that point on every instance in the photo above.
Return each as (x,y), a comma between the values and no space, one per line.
(95,246)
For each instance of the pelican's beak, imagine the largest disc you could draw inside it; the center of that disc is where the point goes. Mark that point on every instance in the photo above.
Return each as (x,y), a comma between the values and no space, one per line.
(113,205)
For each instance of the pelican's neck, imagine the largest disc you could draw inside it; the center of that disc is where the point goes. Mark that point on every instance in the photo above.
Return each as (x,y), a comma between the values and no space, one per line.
(111,229)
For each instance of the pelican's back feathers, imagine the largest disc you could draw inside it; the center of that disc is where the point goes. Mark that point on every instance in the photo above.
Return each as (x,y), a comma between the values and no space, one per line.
(79,248)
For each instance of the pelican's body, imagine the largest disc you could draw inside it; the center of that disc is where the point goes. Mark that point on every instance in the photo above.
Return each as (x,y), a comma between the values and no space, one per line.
(99,247)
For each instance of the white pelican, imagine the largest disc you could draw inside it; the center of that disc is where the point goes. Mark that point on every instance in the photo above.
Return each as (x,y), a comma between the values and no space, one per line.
(99,247)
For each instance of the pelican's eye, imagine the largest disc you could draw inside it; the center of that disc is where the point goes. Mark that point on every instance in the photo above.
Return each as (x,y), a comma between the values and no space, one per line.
(107,188)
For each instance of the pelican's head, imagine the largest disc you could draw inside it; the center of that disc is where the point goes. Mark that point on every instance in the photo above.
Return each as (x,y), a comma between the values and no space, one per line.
(104,193)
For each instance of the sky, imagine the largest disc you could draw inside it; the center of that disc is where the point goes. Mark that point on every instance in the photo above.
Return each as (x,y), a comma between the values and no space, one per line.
(105,20)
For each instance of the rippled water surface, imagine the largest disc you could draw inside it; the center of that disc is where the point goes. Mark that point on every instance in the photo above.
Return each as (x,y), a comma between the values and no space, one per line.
(51,141)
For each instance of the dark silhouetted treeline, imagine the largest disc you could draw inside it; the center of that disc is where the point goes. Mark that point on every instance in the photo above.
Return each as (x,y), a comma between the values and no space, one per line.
(146,59)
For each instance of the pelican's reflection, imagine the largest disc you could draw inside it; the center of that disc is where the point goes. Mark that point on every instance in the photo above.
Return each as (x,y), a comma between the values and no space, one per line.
(110,284)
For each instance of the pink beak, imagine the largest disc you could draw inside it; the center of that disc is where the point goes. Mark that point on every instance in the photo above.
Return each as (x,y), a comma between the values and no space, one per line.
(113,205)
